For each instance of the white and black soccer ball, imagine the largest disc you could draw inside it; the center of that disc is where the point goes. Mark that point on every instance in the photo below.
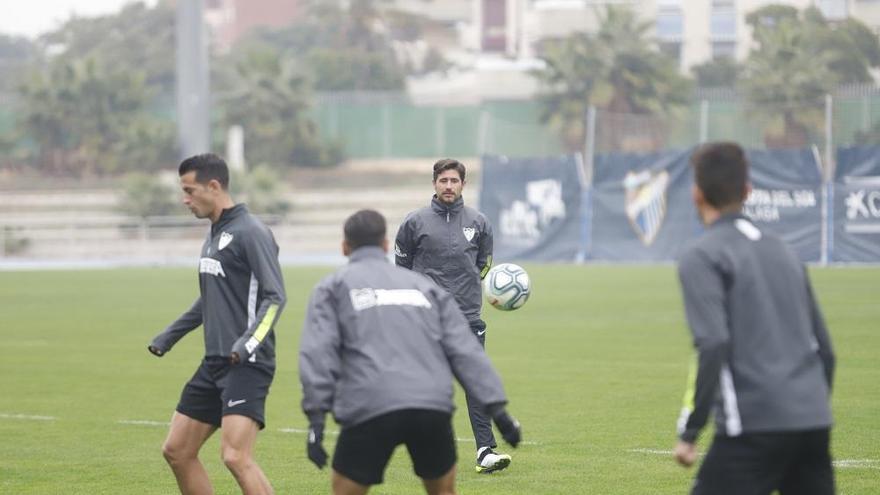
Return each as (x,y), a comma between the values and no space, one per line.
(507,287)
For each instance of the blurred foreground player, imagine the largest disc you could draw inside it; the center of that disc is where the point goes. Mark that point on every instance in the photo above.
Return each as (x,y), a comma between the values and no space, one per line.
(379,349)
(765,363)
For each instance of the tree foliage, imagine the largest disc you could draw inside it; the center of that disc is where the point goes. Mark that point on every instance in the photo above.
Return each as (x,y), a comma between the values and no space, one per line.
(617,69)
(16,54)
(86,119)
(136,39)
(343,47)
(799,58)
(146,195)
(270,99)
(722,72)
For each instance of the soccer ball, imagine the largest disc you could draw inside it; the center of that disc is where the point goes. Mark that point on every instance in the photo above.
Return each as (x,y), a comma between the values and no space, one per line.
(507,287)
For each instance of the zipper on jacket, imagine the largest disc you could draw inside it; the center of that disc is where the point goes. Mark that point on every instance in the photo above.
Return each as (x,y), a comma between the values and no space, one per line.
(447,216)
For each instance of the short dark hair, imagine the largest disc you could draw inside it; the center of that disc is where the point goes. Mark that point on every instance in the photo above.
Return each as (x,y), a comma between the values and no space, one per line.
(721,172)
(365,228)
(449,164)
(207,167)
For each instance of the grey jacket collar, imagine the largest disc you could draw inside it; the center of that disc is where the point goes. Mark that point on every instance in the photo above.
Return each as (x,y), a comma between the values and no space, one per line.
(442,208)
(366,252)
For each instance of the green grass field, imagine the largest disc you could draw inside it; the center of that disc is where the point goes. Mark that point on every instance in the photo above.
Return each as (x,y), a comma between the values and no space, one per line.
(594,366)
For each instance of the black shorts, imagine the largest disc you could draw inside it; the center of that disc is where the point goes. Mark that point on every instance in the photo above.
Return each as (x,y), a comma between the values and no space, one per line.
(795,463)
(363,450)
(218,388)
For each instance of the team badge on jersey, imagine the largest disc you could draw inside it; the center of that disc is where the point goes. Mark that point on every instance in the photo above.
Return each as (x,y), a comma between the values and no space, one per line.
(646,202)
(469,233)
(225,239)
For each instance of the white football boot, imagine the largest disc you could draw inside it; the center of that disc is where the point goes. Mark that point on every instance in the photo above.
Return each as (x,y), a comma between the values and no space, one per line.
(488,461)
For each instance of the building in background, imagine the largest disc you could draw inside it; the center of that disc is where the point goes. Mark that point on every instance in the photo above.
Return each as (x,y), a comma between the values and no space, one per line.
(229,20)
(692,31)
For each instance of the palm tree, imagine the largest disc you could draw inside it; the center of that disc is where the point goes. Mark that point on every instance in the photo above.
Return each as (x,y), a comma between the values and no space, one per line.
(618,69)
(80,115)
(785,84)
(271,101)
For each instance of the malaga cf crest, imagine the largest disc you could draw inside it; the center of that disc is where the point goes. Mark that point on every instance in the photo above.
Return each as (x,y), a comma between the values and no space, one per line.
(225,239)
(646,202)
(469,233)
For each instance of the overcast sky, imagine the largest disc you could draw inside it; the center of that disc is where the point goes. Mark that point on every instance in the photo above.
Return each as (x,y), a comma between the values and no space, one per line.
(34,17)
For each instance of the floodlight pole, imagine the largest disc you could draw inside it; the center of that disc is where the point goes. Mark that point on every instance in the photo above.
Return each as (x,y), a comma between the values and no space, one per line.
(193,79)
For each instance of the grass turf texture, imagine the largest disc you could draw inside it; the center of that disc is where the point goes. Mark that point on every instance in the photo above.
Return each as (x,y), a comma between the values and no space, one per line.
(595,367)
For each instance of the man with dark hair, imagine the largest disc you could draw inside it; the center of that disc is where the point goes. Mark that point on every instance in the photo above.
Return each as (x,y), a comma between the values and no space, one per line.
(380,347)
(452,244)
(765,363)
(242,295)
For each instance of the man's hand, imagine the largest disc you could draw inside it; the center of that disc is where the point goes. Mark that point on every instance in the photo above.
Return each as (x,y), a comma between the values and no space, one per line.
(234,358)
(315,447)
(155,351)
(685,453)
(509,428)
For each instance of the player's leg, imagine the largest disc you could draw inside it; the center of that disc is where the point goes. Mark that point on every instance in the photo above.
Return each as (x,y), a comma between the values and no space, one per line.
(750,464)
(346,486)
(196,418)
(181,450)
(811,472)
(488,460)
(444,485)
(362,453)
(430,441)
(244,403)
(238,438)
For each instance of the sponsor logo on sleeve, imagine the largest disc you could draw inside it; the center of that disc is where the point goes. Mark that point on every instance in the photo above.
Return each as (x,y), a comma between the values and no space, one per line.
(251,344)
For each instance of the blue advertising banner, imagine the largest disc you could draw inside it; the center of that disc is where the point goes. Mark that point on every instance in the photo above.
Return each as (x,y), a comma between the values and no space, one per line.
(641,208)
(856,234)
(534,205)
(786,198)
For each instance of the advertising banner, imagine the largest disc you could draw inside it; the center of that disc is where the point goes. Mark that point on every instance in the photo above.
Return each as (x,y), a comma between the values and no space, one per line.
(534,205)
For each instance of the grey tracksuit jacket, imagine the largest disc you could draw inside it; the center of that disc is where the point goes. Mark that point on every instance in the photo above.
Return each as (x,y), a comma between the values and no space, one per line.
(451,244)
(242,291)
(765,360)
(378,338)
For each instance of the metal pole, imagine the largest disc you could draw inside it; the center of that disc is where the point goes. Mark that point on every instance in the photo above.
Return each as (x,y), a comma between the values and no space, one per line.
(823,205)
(829,137)
(704,121)
(439,132)
(193,79)
(483,132)
(386,130)
(590,144)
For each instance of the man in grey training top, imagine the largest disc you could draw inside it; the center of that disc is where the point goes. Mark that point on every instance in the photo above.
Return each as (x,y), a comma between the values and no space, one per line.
(452,244)
(380,347)
(242,294)
(765,363)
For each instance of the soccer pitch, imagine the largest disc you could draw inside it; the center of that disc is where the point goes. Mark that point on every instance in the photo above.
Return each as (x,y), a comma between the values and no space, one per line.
(594,365)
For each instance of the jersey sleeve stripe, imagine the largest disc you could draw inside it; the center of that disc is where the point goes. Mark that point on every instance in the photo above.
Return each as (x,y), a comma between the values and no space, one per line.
(266,323)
